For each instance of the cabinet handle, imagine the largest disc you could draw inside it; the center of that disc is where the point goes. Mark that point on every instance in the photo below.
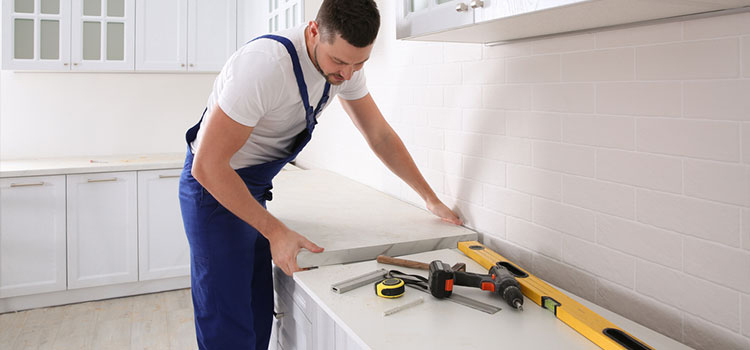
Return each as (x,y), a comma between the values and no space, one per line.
(65,64)
(476,3)
(103,180)
(461,7)
(75,64)
(192,65)
(27,184)
(182,65)
(168,176)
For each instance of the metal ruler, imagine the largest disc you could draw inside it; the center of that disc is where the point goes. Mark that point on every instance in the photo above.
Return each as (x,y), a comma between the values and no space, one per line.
(465,301)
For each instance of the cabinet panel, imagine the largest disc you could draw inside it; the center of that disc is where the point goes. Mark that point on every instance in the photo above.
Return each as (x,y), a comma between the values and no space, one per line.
(161,35)
(163,249)
(36,35)
(103,37)
(102,229)
(32,235)
(416,17)
(212,34)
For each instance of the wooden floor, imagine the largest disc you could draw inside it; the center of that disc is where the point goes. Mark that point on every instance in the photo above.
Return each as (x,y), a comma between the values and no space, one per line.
(151,321)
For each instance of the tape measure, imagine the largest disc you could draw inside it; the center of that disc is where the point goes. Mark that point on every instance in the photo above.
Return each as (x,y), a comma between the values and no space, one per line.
(390,288)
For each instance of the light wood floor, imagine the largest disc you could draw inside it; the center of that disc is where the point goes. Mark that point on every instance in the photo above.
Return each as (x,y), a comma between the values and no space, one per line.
(150,321)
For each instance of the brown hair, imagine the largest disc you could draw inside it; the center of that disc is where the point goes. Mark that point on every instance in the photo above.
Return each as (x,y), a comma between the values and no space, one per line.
(357,21)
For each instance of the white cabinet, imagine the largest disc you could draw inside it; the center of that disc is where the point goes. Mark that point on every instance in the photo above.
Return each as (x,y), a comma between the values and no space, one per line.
(163,249)
(32,235)
(185,35)
(36,34)
(102,34)
(102,229)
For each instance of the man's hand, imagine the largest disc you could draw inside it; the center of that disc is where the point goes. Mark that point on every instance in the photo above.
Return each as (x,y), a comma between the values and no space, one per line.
(438,208)
(284,248)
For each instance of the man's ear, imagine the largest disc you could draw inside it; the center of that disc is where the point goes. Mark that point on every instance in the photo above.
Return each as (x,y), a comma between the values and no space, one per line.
(314,31)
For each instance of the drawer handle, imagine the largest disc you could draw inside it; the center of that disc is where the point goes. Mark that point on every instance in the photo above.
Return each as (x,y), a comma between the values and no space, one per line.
(27,184)
(168,176)
(103,180)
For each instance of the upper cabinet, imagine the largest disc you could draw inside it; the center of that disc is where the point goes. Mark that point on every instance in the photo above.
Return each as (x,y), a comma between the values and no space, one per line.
(185,35)
(36,34)
(490,21)
(102,35)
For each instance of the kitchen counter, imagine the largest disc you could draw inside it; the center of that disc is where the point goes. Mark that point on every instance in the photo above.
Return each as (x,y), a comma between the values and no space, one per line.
(441,324)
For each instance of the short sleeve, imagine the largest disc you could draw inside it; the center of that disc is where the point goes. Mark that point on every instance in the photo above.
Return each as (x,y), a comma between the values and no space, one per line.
(355,88)
(251,84)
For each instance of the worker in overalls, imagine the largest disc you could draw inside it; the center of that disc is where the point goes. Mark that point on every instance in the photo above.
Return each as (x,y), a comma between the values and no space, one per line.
(258,117)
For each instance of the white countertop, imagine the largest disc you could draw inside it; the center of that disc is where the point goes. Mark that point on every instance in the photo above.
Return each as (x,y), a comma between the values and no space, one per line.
(441,324)
(93,164)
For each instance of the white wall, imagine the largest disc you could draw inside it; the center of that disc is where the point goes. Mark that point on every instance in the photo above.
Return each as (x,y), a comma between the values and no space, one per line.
(614,164)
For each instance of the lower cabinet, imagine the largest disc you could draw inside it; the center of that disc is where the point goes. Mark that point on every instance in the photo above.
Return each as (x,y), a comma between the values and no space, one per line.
(32,235)
(163,249)
(102,229)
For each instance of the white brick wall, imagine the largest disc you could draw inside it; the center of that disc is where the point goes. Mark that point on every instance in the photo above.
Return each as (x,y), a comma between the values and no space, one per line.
(614,164)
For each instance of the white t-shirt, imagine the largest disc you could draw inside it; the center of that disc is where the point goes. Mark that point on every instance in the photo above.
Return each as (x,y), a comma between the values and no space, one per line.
(257,88)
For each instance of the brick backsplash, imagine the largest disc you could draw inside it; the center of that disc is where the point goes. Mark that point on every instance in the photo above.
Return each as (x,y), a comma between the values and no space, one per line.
(614,164)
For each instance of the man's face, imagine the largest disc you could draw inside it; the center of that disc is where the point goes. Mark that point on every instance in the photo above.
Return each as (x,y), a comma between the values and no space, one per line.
(338,60)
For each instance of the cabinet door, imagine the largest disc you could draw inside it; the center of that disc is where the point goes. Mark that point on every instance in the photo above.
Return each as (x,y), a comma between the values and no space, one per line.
(489,10)
(415,17)
(212,34)
(103,34)
(161,35)
(250,20)
(36,34)
(163,249)
(32,235)
(102,229)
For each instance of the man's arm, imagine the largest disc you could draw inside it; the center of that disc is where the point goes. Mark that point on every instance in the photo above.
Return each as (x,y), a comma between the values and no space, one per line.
(391,150)
(222,138)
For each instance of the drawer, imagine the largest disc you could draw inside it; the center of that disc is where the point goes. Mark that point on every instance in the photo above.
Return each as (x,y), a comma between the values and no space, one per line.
(286,284)
(295,330)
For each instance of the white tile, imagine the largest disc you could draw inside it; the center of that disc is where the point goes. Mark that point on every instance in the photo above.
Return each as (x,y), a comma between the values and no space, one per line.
(415,74)
(484,72)
(640,35)
(718,26)
(445,74)
(745,314)
(443,118)
(726,266)
(464,143)
(603,131)
(712,221)
(640,99)
(702,335)
(534,238)
(601,261)
(508,202)
(507,149)
(567,277)
(722,99)
(428,96)
(640,169)
(534,181)
(465,96)
(664,247)
(485,121)
(565,43)
(605,197)
(600,65)
(460,52)
(435,179)
(723,182)
(507,97)
(565,218)
(429,137)
(447,162)
(535,125)
(520,257)
(746,56)
(694,295)
(718,140)
(484,170)
(746,228)
(646,311)
(465,190)
(746,142)
(508,50)
(571,159)
(533,69)
(426,53)
(717,58)
(580,98)
(482,219)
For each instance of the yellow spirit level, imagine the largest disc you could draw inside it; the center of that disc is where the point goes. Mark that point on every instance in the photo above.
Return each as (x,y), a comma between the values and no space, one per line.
(592,326)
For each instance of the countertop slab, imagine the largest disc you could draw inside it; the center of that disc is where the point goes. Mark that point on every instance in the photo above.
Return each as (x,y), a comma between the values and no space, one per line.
(354,222)
(93,164)
(441,324)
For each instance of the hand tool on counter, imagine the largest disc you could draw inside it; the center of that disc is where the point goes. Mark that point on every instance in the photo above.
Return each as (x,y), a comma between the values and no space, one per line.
(405,306)
(390,288)
(422,284)
(359,281)
(592,326)
(384,259)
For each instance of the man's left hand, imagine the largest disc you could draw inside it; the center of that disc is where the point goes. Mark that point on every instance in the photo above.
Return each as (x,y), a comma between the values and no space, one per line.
(438,208)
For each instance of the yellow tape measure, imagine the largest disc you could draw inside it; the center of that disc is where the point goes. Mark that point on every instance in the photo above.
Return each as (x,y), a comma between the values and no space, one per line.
(390,288)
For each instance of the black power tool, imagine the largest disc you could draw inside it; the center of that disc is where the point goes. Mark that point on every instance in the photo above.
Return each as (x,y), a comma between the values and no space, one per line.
(499,280)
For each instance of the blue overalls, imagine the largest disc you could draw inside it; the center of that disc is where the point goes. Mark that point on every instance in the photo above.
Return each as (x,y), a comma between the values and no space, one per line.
(230,261)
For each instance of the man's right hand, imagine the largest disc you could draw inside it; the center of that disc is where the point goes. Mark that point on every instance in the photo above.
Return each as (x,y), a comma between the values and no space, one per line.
(285,244)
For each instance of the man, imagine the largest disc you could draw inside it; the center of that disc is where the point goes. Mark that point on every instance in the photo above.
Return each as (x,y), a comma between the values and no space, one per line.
(260,114)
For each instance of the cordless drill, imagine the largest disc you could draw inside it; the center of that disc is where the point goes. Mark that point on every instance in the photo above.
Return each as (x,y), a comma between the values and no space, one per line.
(499,280)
